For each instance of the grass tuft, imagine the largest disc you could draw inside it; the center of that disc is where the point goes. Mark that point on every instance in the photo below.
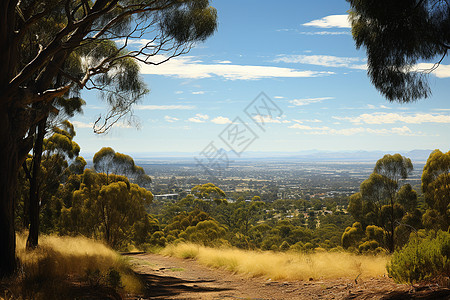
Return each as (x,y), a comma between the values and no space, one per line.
(68,267)
(284,265)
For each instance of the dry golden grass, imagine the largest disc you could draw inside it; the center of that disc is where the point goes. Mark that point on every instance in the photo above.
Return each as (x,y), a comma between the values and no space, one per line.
(46,271)
(287,266)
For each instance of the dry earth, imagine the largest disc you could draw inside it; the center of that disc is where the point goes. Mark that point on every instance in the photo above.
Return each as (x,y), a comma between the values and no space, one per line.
(173,278)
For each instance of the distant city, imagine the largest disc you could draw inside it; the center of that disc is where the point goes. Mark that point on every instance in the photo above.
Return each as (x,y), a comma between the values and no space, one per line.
(272,176)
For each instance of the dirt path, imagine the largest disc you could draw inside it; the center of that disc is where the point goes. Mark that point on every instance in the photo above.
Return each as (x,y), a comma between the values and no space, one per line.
(173,278)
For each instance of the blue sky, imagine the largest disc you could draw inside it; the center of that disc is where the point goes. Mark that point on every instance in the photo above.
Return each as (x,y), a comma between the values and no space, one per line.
(302,56)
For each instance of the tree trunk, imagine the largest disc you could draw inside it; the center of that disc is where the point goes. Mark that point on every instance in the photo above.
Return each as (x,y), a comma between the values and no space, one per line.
(10,162)
(34,205)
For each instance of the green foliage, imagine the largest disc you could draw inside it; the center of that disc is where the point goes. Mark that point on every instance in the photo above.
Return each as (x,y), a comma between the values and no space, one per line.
(352,235)
(396,36)
(208,191)
(435,186)
(422,259)
(107,161)
(207,233)
(112,209)
(284,246)
(384,203)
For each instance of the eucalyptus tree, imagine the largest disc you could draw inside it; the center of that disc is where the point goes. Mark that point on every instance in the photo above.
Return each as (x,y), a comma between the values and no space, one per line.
(436,188)
(54,49)
(49,164)
(108,161)
(382,198)
(397,35)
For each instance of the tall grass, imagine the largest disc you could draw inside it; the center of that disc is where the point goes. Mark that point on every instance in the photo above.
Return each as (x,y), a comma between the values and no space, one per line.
(59,262)
(284,265)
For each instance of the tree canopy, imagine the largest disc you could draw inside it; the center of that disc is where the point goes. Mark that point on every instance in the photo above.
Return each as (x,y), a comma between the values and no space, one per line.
(397,35)
(54,49)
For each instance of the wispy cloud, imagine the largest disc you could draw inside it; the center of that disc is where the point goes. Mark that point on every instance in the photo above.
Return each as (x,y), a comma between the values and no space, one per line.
(324,32)
(164,107)
(198,93)
(306,101)
(306,127)
(189,67)
(199,118)
(171,119)
(221,120)
(441,109)
(315,32)
(135,42)
(324,60)
(79,124)
(354,130)
(390,118)
(332,21)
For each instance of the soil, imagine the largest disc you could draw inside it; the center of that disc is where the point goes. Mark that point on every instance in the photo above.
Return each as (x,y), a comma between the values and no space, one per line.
(173,278)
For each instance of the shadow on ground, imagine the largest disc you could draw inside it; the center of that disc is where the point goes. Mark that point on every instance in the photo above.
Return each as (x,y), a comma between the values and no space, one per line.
(159,287)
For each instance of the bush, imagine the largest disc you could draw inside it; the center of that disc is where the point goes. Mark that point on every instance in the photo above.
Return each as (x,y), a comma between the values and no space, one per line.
(426,259)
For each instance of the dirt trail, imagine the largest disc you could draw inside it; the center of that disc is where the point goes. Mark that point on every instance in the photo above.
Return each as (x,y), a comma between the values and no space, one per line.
(173,278)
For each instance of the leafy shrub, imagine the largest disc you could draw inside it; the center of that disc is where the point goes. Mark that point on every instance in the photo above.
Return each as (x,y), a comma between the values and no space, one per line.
(284,246)
(426,259)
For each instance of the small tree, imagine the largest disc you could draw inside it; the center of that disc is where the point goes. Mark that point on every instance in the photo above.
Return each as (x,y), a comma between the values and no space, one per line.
(435,187)
(380,200)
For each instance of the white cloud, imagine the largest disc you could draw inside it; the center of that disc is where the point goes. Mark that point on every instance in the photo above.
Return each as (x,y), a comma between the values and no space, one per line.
(390,118)
(268,119)
(79,124)
(122,125)
(221,120)
(396,130)
(339,21)
(442,71)
(324,60)
(135,42)
(352,131)
(278,97)
(223,61)
(313,121)
(164,107)
(346,131)
(198,93)
(306,101)
(189,67)
(324,32)
(306,127)
(199,118)
(307,121)
(171,119)
(441,109)
(179,92)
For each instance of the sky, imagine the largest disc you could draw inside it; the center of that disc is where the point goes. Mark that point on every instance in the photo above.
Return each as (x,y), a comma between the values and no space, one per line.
(280,76)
